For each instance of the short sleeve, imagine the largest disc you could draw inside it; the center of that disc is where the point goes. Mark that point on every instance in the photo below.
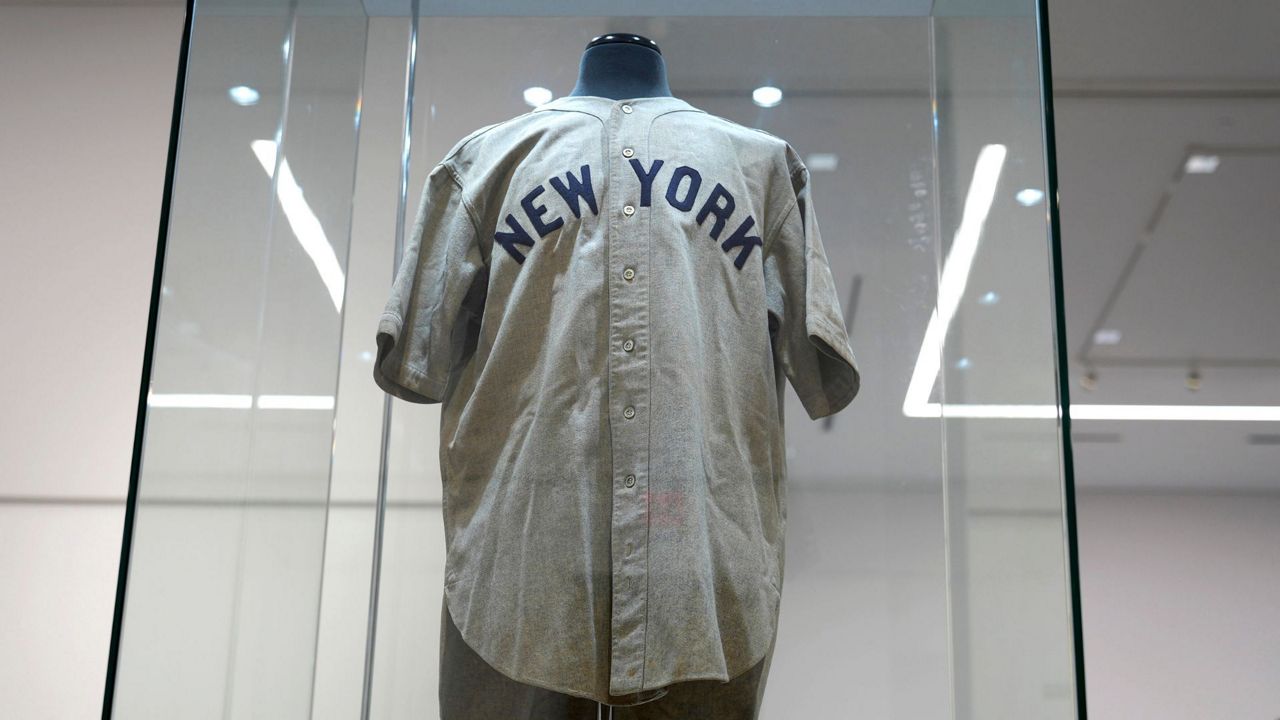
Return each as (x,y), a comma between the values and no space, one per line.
(436,297)
(807,326)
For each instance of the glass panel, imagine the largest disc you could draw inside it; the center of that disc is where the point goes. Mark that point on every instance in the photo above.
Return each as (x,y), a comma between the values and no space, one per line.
(1009,589)
(926,553)
(224,579)
(926,557)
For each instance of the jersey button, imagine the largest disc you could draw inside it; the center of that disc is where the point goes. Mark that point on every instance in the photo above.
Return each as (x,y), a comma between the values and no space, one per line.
(628,210)
(628,152)
(631,480)
(628,273)
(629,412)
(628,345)
(626,109)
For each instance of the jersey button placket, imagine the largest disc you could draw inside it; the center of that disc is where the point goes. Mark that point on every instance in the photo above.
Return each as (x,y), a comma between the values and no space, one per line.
(629,393)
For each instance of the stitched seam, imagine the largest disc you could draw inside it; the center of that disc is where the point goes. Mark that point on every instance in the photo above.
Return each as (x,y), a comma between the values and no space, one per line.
(800,169)
(466,140)
(768,238)
(462,194)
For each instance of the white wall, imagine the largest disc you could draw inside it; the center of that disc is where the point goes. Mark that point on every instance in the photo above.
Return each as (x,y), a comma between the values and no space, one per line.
(1181,596)
(87,97)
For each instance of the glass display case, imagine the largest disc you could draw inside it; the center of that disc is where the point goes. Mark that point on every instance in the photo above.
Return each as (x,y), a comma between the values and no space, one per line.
(284,547)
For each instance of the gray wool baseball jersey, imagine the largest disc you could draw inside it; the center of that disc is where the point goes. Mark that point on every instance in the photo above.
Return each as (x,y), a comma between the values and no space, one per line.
(607,298)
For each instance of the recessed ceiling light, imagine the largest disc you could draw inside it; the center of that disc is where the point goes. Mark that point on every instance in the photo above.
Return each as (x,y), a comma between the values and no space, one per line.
(1106,336)
(963,363)
(766,96)
(991,297)
(1202,163)
(243,95)
(1029,196)
(822,162)
(536,96)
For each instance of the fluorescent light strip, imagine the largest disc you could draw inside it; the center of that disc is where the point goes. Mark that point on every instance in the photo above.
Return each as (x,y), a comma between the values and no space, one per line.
(192,400)
(306,226)
(295,402)
(240,402)
(957,410)
(1255,413)
(955,274)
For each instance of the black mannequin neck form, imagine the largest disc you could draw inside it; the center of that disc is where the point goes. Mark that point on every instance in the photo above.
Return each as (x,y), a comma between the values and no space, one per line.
(622,71)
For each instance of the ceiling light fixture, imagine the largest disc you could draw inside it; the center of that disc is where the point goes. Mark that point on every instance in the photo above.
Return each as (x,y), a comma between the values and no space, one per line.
(537,95)
(1107,336)
(822,162)
(1202,164)
(766,96)
(243,95)
(1029,196)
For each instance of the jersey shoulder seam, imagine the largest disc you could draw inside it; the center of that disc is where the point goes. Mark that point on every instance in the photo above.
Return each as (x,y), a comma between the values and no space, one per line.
(462,195)
(467,139)
(471,136)
(766,133)
(769,236)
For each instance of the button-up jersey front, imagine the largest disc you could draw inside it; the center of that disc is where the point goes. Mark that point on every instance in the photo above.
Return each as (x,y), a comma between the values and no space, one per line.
(607,298)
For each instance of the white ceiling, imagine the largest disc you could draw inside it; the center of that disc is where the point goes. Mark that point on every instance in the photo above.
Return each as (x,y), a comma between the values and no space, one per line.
(1137,86)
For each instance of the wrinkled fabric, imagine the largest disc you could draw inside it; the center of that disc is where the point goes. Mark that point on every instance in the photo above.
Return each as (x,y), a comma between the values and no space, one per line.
(471,689)
(607,298)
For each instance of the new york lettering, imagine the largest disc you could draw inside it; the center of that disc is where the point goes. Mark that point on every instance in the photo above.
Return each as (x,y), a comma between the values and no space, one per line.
(681,193)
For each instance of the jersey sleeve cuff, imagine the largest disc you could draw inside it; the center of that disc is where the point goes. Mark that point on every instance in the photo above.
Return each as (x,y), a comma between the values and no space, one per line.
(402,380)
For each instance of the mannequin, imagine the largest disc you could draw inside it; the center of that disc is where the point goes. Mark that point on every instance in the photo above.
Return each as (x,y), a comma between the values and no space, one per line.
(621,66)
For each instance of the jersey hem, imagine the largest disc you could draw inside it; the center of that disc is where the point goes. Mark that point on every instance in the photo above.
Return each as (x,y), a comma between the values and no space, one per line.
(722,677)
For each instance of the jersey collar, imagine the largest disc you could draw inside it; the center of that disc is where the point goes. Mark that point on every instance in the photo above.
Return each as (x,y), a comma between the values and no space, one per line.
(602,106)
